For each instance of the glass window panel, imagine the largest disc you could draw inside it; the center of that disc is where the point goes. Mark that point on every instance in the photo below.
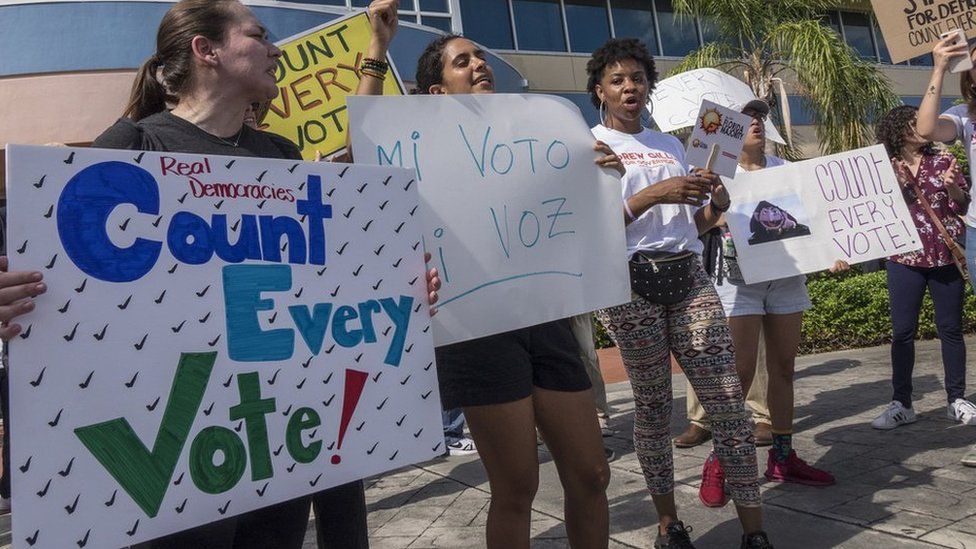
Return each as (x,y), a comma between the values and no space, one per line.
(635,19)
(405,5)
(539,24)
(329,2)
(442,23)
(488,22)
(833,21)
(882,47)
(588,24)
(678,34)
(857,32)
(434,5)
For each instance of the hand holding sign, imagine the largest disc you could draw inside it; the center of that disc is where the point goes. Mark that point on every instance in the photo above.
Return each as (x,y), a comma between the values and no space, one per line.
(17,292)
(383,21)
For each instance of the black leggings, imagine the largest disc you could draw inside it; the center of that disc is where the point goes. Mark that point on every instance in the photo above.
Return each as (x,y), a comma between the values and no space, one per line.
(906,288)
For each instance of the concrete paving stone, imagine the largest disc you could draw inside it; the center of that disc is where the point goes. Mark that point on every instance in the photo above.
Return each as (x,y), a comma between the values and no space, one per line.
(453,537)
(379,517)
(862,511)
(924,500)
(810,499)
(907,523)
(393,542)
(951,537)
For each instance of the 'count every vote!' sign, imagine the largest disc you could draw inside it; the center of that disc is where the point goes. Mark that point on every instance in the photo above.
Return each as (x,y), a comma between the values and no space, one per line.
(220,334)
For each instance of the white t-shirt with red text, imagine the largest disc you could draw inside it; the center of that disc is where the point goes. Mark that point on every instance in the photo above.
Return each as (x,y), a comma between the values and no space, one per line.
(650,157)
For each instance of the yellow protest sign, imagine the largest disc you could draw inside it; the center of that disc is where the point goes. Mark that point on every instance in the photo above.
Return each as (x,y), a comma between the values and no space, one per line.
(316,71)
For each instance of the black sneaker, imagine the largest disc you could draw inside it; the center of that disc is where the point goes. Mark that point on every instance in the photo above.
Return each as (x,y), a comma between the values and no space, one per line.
(609,453)
(677,537)
(756,541)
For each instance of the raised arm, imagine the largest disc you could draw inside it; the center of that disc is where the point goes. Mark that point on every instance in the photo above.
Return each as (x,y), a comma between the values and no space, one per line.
(930,124)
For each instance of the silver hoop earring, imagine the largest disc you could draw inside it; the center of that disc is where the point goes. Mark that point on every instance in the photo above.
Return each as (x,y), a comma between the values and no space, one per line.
(603,119)
(650,106)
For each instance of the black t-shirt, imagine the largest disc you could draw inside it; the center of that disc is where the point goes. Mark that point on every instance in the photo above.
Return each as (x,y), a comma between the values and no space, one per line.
(165,132)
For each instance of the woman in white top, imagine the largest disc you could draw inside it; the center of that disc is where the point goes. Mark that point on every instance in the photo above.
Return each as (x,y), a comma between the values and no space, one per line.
(675,310)
(774,307)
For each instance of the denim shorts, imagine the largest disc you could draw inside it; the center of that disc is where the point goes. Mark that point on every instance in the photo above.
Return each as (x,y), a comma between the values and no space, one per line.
(775,297)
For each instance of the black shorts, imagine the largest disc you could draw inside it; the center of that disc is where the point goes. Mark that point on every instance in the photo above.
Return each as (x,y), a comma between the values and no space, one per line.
(505,367)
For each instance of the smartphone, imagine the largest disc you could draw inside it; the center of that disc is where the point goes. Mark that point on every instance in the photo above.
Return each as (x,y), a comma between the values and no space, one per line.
(962,62)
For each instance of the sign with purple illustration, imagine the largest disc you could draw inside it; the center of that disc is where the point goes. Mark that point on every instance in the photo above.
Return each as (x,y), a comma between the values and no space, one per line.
(220,334)
(802,217)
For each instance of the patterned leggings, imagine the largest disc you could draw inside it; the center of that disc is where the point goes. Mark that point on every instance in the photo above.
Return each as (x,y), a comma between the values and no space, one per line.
(696,331)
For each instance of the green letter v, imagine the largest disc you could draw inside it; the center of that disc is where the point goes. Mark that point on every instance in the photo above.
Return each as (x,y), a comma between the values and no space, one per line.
(145,475)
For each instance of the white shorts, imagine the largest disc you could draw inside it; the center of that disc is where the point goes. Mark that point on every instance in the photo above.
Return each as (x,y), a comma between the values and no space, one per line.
(775,297)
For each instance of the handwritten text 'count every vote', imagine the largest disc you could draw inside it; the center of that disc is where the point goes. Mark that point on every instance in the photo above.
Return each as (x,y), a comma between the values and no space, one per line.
(864,216)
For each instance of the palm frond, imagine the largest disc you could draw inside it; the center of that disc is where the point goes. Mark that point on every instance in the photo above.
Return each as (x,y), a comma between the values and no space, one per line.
(711,55)
(845,92)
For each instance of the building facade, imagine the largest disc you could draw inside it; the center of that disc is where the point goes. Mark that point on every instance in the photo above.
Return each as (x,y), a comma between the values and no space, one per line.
(67,66)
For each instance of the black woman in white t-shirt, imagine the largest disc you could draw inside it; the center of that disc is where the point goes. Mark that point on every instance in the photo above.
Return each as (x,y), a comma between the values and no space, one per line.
(675,309)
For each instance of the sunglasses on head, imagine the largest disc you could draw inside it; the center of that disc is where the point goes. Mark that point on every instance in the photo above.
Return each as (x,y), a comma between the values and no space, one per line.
(757,115)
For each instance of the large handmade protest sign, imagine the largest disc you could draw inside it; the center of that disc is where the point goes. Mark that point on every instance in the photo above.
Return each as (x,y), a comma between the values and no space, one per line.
(522,224)
(317,70)
(913,27)
(219,334)
(676,100)
(800,218)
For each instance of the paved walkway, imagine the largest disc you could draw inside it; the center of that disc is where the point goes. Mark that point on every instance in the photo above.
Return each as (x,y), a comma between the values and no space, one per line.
(903,488)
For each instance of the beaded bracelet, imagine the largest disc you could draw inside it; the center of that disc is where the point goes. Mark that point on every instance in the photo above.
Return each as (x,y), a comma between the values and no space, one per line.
(375,65)
(373,73)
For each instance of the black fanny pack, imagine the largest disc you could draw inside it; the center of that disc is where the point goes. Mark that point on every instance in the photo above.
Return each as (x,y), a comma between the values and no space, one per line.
(662,278)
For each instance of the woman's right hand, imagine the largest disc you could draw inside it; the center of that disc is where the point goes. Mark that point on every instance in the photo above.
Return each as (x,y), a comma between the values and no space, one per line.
(946,50)
(17,292)
(690,189)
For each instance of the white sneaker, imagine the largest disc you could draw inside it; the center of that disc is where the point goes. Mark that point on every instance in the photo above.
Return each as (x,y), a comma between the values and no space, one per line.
(963,411)
(894,415)
(463,447)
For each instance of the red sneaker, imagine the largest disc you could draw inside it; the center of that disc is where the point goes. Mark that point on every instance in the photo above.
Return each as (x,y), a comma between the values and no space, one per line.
(712,490)
(796,470)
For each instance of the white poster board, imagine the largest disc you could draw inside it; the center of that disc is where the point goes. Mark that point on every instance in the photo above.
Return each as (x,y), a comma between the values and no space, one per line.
(800,218)
(675,101)
(521,223)
(268,315)
(722,129)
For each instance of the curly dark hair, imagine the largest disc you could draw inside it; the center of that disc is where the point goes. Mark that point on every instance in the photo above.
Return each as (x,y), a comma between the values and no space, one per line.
(891,130)
(614,51)
(430,66)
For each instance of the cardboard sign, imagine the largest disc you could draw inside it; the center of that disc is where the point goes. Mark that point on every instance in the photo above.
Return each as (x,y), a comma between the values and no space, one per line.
(317,70)
(800,218)
(522,224)
(219,334)
(676,101)
(913,27)
(717,139)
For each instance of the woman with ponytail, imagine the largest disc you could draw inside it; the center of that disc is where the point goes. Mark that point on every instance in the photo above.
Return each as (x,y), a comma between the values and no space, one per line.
(213,60)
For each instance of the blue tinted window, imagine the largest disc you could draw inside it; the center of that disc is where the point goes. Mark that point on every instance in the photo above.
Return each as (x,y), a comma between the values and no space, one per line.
(488,22)
(433,5)
(588,24)
(635,19)
(442,23)
(922,61)
(539,25)
(857,32)
(678,34)
(404,4)
(833,21)
(330,2)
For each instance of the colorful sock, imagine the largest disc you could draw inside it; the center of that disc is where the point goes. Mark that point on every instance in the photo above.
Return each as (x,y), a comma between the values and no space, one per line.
(782,444)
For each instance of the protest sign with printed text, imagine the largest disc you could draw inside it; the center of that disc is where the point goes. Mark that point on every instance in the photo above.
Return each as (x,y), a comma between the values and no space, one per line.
(676,101)
(913,27)
(317,70)
(219,334)
(717,139)
(800,218)
(522,224)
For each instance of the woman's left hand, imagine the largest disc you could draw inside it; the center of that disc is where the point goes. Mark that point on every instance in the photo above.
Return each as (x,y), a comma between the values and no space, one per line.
(840,266)
(610,158)
(433,284)
(949,179)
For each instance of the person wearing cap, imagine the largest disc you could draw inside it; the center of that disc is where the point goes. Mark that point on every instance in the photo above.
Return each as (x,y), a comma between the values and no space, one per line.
(774,308)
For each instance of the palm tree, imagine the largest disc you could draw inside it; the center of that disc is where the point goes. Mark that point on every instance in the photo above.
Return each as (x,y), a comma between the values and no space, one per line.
(765,40)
